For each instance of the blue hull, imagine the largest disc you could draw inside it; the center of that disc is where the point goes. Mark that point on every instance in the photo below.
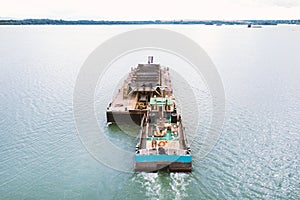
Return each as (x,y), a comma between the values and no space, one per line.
(150,163)
(163,158)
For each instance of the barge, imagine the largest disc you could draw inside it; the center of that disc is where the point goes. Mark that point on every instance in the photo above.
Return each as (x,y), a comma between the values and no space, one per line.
(147,98)
(132,101)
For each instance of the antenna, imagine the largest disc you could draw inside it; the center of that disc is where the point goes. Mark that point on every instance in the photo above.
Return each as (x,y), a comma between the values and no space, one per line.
(150,59)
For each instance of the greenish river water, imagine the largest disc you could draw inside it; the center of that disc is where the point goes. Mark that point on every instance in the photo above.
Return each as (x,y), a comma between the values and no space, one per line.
(256,157)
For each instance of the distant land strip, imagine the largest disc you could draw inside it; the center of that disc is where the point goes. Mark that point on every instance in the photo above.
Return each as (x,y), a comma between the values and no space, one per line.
(104,22)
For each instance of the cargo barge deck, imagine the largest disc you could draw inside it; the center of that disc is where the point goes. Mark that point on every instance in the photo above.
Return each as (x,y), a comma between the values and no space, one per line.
(146,98)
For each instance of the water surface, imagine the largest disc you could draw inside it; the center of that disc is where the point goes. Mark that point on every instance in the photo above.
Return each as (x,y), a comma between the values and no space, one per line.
(257,156)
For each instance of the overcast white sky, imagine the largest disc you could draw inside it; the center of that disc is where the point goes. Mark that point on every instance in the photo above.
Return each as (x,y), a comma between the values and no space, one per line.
(151,9)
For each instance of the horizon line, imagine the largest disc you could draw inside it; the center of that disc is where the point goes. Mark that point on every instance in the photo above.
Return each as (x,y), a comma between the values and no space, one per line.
(125,20)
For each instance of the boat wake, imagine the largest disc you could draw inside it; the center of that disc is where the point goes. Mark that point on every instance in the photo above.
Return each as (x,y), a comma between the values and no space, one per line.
(164,185)
(150,182)
(179,184)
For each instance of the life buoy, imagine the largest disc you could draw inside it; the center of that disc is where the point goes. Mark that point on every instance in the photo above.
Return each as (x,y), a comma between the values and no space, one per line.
(161,143)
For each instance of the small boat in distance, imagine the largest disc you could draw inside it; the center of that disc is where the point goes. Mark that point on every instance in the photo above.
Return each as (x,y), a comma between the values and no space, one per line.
(253,26)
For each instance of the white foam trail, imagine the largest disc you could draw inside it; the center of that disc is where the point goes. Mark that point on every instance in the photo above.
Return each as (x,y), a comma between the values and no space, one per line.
(151,184)
(179,183)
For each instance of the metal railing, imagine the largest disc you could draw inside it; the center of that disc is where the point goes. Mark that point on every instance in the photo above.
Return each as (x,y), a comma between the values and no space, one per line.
(167,151)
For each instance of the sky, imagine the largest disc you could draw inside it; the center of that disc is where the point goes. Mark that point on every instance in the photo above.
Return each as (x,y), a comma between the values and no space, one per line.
(151,9)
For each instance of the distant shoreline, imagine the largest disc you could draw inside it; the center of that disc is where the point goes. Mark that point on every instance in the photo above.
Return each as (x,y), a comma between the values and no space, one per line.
(146,22)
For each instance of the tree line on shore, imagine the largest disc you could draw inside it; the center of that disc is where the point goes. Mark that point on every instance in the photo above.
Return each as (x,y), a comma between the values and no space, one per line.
(105,22)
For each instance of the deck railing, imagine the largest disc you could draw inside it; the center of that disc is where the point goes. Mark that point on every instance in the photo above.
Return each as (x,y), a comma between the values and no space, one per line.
(156,151)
